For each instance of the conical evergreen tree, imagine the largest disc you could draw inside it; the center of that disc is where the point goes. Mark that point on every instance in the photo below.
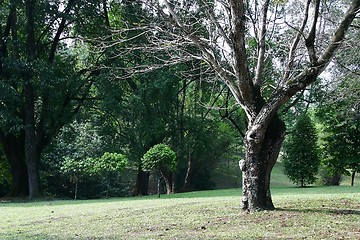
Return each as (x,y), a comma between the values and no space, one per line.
(301,159)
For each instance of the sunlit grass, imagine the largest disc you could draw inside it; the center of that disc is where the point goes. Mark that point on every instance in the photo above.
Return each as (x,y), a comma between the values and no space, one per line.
(313,213)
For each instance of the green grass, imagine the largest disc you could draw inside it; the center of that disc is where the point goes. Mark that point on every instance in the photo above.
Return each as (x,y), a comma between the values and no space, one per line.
(278,178)
(313,213)
(229,176)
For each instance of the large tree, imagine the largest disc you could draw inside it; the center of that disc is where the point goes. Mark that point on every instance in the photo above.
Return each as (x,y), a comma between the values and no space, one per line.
(42,82)
(264,51)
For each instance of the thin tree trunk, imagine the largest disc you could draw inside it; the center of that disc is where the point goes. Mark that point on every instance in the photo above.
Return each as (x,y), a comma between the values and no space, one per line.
(158,185)
(76,187)
(168,183)
(259,161)
(353,177)
(181,123)
(187,181)
(107,190)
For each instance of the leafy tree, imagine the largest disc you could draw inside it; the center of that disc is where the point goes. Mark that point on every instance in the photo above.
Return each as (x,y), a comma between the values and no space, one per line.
(103,168)
(301,161)
(207,143)
(106,166)
(340,115)
(76,169)
(162,159)
(77,143)
(160,105)
(341,127)
(44,82)
(221,32)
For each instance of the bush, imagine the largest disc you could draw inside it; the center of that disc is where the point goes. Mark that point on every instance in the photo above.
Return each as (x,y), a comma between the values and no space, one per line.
(327,178)
(162,159)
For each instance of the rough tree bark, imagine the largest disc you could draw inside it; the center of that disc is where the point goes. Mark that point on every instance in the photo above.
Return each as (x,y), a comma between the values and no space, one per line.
(258,164)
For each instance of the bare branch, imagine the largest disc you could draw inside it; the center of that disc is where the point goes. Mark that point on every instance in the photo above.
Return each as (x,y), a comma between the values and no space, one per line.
(310,40)
(59,32)
(339,34)
(296,41)
(240,59)
(261,47)
(218,26)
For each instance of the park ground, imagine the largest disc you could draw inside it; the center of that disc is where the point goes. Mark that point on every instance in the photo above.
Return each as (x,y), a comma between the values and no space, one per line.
(302,213)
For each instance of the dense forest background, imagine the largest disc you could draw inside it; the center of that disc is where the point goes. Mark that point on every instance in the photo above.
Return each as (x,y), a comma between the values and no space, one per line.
(80,105)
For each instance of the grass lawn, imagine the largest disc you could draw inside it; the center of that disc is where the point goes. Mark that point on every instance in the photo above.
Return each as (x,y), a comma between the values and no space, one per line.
(312,213)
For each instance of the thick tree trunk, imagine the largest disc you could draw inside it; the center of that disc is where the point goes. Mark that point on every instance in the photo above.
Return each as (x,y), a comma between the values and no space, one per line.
(142,183)
(19,184)
(13,146)
(353,177)
(31,156)
(260,158)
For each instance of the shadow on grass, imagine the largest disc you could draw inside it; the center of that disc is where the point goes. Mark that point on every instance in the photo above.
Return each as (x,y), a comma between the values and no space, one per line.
(322,210)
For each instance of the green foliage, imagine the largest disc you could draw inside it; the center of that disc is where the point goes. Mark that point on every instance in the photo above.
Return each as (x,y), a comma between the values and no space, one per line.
(301,161)
(160,158)
(109,163)
(340,122)
(58,82)
(107,168)
(77,156)
(102,169)
(78,140)
(5,176)
(208,143)
(328,178)
(76,168)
